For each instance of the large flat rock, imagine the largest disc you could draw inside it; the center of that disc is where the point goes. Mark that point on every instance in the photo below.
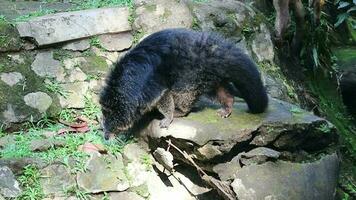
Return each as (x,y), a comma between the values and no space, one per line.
(285,180)
(283,126)
(67,26)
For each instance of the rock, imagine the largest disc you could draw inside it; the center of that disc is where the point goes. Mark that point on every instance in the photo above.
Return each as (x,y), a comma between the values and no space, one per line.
(55,179)
(6,140)
(78,45)
(18,164)
(275,128)
(9,37)
(258,155)
(157,15)
(38,100)
(116,42)
(71,63)
(164,158)
(45,144)
(45,66)
(104,173)
(76,75)
(1,197)
(9,187)
(262,45)
(227,17)
(11,78)
(133,152)
(226,171)
(285,180)
(48,29)
(75,95)
(124,195)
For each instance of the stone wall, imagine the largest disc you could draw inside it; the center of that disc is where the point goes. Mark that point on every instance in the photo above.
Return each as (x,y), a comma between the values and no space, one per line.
(59,61)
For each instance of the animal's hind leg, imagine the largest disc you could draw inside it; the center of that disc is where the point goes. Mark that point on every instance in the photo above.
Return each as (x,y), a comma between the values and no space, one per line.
(166,106)
(226,100)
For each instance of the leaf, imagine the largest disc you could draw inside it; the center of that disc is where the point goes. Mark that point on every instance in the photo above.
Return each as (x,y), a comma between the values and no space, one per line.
(353,8)
(343,4)
(341,18)
(315,57)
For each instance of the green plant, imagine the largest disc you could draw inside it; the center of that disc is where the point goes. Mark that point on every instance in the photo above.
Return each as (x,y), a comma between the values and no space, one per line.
(347,8)
(67,115)
(296,110)
(94,41)
(146,161)
(77,192)
(91,110)
(30,182)
(137,35)
(56,87)
(325,128)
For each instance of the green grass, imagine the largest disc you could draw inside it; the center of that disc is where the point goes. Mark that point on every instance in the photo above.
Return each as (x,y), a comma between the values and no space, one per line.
(332,107)
(56,87)
(91,110)
(146,161)
(30,184)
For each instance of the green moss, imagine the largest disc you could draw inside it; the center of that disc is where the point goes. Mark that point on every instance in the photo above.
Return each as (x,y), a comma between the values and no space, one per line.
(332,107)
(346,56)
(150,7)
(61,54)
(239,118)
(95,65)
(31,83)
(9,37)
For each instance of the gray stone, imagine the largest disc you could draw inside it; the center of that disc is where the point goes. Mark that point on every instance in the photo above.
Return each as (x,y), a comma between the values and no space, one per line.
(205,134)
(227,17)
(8,139)
(55,179)
(38,100)
(9,187)
(78,24)
(71,63)
(76,75)
(75,95)
(164,158)
(1,197)
(284,180)
(11,78)
(78,45)
(116,42)
(124,196)
(10,115)
(156,15)
(45,66)
(133,152)
(17,58)
(18,164)
(104,173)
(262,45)
(45,144)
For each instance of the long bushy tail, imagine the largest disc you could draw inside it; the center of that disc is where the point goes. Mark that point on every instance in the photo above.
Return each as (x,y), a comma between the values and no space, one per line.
(246,78)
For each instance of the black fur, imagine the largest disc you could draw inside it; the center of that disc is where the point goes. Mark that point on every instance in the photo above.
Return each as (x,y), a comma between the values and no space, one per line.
(171,69)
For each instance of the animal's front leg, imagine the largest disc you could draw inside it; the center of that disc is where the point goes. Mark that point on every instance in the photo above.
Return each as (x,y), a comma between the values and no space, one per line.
(226,100)
(166,107)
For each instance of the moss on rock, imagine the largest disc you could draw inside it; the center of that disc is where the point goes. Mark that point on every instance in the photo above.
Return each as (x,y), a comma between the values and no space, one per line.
(9,37)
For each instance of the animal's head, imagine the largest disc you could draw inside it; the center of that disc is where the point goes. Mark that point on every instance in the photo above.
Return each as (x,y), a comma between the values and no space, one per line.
(116,112)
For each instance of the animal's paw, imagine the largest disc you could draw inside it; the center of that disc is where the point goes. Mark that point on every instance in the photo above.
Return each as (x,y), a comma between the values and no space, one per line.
(223,113)
(164,123)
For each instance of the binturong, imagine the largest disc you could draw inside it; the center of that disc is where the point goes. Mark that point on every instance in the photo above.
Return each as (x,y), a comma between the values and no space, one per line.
(169,70)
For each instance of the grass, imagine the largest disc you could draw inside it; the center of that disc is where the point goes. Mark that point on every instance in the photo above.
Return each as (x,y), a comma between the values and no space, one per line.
(146,161)
(30,183)
(91,110)
(38,13)
(56,87)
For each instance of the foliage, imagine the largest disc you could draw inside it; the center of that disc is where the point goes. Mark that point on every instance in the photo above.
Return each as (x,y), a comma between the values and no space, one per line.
(91,110)
(146,161)
(77,192)
(94,41)
(88,4)
(347,8)
(55,87)
(30,183)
